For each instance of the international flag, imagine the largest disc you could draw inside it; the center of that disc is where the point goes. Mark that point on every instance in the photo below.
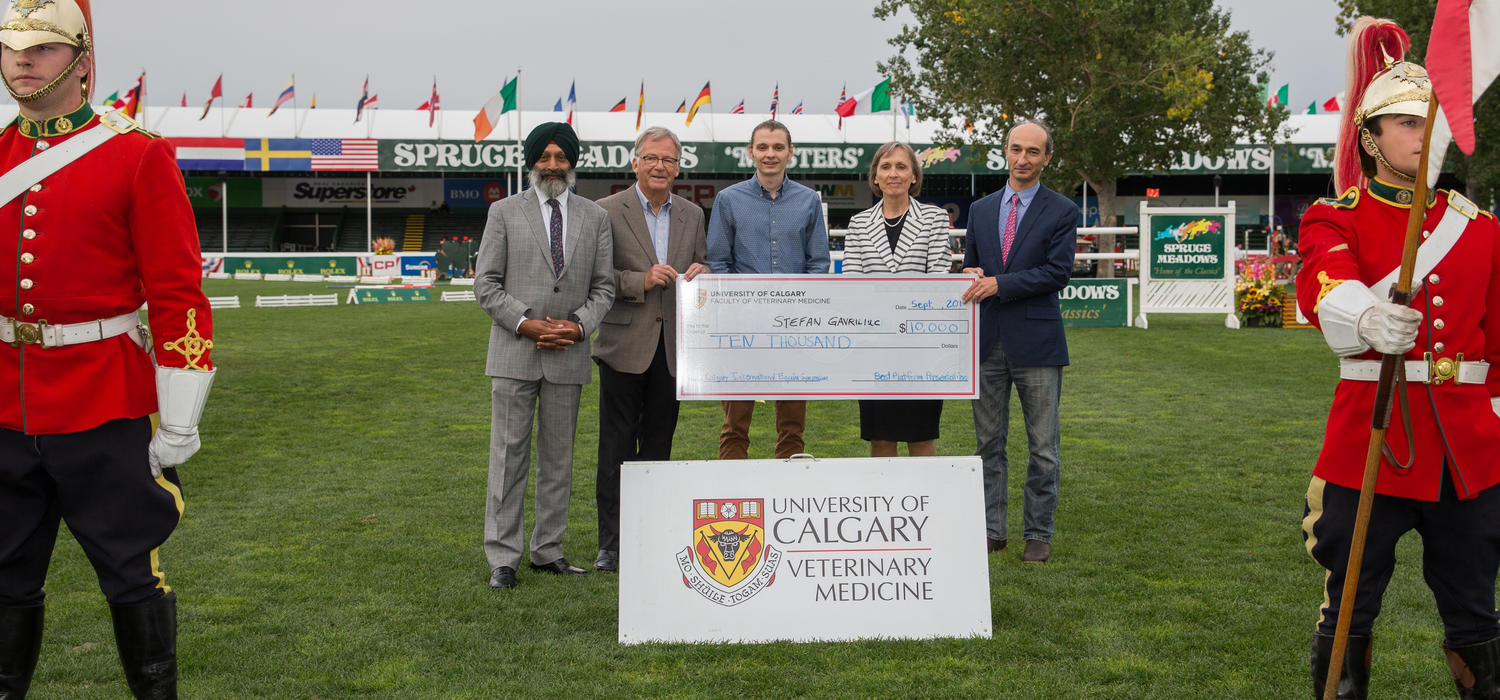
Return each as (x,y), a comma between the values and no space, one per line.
(739,108)
(572,101)
(135,97)
(1332,105)
(345,154)
(876,99)
(1463,58)
(114,101)
(682,108)
(557,107)
(798,108)
(313,103)
(432,104)
(775,99)
(619,106)
(640,106)
(214,94)
(364,99)
(184,99)
(702,99)
(1279,97)
(249,100)
(209,153)
(278,155)
(503,101)
(287,95)
(1312,108)
(843,95)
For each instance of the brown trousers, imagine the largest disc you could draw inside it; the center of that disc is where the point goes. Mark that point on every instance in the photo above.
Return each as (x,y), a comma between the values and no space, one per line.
(734,438)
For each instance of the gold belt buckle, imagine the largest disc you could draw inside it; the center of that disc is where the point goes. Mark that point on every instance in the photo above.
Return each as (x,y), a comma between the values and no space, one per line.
(29,333)
(1442,369)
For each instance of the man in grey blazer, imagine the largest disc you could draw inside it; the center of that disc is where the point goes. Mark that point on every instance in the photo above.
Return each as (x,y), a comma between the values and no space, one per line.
(544,277)
(657,236)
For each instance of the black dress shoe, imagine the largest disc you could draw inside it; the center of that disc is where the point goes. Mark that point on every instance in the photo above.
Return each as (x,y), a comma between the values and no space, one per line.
(995,544)
(561,567)
(503,577)
(607,561)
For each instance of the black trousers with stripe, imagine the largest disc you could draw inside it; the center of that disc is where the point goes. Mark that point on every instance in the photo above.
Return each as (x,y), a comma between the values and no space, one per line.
(1460,555)
(99,483)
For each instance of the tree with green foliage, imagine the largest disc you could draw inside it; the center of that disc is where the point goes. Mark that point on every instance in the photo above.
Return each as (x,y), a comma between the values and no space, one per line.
(1126,86)
(1481,171)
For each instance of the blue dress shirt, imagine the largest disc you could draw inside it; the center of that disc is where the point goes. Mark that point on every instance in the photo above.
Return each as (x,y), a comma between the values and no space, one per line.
(751,232)
(658,225)
(1027,195)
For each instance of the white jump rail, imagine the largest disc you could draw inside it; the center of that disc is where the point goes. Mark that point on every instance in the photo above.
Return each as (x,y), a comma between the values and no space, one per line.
(461,295)
(223,302)
(284,300)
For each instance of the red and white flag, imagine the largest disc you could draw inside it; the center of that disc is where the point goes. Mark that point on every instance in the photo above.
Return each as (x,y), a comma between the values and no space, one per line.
(1332,105)
(184,98)
(739,108)
(213,94)
(249,101)
(1463,58)
(431,105)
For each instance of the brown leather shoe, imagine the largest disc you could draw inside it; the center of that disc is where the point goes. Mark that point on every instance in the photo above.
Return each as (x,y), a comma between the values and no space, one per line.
(995,544)
(1037,552)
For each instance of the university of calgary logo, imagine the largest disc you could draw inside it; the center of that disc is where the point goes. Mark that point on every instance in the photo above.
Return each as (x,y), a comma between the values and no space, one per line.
(702,297)
(728,561)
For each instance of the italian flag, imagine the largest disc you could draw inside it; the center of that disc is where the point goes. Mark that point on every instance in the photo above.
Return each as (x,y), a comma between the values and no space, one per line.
(876,99)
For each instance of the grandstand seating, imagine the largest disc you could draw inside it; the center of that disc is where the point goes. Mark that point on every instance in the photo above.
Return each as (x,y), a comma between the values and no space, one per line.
(250,230)
(262,230)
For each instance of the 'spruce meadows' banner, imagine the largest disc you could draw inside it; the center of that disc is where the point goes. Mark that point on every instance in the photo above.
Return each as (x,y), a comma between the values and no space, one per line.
(427,155)
(1188,265)
(1096,302)
(803,550)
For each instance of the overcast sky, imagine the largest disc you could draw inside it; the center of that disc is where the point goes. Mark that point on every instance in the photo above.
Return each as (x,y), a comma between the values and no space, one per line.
(811,48)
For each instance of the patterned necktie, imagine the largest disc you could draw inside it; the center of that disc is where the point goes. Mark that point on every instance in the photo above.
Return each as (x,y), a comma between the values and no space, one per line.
(1010,228)
(555,228)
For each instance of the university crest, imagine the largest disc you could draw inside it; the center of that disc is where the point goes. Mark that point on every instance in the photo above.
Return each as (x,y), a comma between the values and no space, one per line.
(729,560)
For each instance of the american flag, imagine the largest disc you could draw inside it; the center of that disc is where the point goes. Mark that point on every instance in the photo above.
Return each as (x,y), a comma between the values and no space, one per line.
(345,154)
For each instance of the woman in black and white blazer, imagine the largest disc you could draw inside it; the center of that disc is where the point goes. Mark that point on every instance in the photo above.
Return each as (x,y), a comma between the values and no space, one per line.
(898,235)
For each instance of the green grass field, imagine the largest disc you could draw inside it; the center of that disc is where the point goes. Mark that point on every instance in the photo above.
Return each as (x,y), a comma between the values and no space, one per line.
(331,544)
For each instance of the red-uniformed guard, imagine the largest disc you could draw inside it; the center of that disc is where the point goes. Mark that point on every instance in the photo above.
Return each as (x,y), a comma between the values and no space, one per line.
(1442,461)
(97,221)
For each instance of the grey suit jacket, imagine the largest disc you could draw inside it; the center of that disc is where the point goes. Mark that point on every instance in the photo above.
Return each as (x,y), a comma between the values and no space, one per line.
(513,278)
(628,336)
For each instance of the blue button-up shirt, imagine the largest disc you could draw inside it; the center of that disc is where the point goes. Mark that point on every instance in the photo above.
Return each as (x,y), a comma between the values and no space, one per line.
(1027,195)
(750,232)
(658,225)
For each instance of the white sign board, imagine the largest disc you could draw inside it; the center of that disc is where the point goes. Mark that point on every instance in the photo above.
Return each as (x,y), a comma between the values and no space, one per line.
(826,337)
(1187,261)
(803,550)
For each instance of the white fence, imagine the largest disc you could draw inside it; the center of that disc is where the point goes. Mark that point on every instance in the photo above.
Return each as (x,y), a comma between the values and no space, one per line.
(297,300)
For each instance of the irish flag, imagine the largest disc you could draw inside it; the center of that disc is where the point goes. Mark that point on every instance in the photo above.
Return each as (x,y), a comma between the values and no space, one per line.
(876,99)
(485,121)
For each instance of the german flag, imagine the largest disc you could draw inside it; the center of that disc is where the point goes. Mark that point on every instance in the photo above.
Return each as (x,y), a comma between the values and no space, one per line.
(619,106)
(697,103)
(682,107)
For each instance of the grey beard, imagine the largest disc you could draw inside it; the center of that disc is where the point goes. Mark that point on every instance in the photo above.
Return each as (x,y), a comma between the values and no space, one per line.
(551,188)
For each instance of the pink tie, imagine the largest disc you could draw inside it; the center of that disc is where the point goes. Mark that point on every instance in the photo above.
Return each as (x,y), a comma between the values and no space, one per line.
(1010,228)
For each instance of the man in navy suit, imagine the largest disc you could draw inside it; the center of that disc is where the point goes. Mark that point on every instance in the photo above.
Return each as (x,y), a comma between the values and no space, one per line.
(1021,242)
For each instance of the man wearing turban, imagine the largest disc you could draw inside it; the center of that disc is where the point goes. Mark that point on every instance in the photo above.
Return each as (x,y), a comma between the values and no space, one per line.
(545,276)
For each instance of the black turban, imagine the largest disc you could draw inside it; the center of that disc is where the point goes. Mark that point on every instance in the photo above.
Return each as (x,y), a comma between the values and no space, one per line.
(551,132)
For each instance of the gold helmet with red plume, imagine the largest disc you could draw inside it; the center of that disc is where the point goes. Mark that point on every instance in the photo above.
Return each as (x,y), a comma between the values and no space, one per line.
(28,23)
(1379,82)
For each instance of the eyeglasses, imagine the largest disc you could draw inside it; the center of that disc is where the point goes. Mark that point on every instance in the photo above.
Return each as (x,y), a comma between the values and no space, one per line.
(651,161)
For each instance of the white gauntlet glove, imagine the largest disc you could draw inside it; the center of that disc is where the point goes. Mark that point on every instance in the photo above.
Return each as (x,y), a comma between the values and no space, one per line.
(180,395)
(1390,329)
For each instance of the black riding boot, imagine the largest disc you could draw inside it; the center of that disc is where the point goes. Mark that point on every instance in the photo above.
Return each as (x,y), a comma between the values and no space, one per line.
(1475,669)
(20,643)
(146,634)
(1354,684)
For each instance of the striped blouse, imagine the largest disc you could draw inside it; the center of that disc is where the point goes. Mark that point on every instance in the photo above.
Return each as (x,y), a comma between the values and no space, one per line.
(922,247)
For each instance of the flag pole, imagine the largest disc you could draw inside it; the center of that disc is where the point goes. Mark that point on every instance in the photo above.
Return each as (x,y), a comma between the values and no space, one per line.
(296,126)
(521,149)
(298,131)
(1381,419)
(140,99)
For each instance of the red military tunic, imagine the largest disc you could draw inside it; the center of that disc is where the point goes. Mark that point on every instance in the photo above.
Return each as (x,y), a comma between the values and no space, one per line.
(92,241)
(1360,237)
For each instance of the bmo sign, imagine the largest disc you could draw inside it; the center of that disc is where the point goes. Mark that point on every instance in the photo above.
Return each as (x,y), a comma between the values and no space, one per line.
(472,193)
